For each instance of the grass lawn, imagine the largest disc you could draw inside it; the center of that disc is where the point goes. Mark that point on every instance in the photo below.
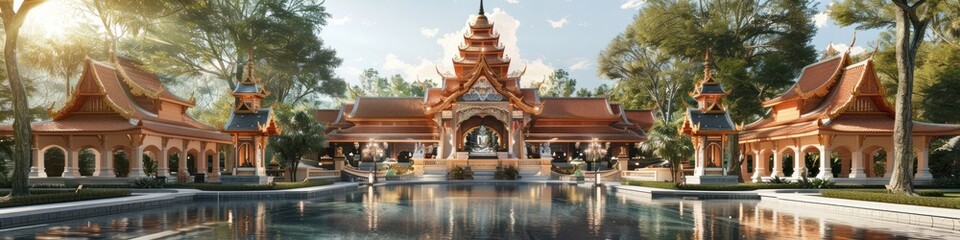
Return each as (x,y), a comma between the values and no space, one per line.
(45,196)
(925,198)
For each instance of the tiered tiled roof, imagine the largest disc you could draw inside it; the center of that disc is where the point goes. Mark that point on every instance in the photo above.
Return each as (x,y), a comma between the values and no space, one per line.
(122,97)
(834,97)
(248,116)
(710,116)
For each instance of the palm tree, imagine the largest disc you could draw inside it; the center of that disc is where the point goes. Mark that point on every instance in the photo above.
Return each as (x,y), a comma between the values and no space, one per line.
(665,140)
(301,135)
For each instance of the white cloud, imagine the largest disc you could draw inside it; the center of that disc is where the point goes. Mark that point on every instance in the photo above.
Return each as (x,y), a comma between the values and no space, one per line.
(840,47)
(513,1)
(632,4)
(410,72)
(368,23)
(581,64)
(341,21)
(820,19)
(558,23)
(429,32)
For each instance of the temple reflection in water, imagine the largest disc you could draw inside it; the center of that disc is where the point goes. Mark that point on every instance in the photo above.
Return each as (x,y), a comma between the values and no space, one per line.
(485,210)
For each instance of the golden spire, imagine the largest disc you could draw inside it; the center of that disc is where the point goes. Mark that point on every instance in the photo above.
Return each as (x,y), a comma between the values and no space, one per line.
(248,76)
(706,65)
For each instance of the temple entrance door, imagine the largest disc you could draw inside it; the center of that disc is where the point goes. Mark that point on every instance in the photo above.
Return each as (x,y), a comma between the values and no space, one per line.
(484,135)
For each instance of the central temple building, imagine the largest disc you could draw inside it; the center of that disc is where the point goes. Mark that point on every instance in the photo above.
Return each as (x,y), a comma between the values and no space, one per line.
(482,112)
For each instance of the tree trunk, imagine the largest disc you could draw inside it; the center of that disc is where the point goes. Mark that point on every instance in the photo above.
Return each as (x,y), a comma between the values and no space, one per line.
(733,156)
(21,117)
(909,36)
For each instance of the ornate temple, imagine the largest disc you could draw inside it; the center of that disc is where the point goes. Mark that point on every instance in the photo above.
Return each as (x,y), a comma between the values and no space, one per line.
(836,108)
(250,125)
(709,126)
(119,109)
(480,116)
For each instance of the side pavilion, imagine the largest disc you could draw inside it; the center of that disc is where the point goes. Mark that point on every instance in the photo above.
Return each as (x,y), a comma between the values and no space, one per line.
(837,109)
(118,107)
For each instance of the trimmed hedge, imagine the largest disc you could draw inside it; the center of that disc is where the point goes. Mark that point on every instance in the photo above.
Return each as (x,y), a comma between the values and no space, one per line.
(56,196)
(877,196)
(250,187)
(737,187)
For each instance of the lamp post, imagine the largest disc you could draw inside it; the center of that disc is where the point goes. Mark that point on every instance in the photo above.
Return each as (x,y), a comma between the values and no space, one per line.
(596,150)
(375,151)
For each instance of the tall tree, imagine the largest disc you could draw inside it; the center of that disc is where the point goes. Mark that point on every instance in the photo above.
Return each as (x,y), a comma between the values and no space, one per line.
(213,37)
(302,135)
(667,142)
(13,19)
(910,20)
(761,45)
(557,84)
(646,75)
(374,85)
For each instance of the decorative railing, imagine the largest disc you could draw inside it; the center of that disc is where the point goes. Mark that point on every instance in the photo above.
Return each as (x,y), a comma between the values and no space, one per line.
(319,172)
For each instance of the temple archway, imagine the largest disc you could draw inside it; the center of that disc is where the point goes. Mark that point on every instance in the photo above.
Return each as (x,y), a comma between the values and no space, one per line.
(53,161)
(470,127)
(88,161)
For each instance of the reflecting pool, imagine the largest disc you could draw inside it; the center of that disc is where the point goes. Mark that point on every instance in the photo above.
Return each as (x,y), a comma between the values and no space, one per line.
(479,210)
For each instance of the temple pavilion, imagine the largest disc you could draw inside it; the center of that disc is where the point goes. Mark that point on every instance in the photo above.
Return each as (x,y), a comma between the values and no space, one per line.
(480,116)
(836,108)
(117,107)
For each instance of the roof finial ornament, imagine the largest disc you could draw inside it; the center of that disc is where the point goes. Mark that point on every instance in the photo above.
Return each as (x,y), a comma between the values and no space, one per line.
(852,42)
(481,7)
(706,64)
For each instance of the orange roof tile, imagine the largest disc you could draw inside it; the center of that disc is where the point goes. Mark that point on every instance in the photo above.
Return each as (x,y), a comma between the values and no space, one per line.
(388,107)
(576,108)
(642,118)
(813,77)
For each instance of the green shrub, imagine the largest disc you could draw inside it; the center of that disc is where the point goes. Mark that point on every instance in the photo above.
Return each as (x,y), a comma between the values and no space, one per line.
(149,182)
(777,180)
(457,173)
(878,196)
(55,196)
(506,173)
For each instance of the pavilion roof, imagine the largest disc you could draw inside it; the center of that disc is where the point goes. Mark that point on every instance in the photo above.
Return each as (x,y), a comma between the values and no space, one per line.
(854,104)
(119,97)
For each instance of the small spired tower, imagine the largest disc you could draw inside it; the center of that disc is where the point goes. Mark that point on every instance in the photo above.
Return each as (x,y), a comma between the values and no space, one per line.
(250,125)
(708,125)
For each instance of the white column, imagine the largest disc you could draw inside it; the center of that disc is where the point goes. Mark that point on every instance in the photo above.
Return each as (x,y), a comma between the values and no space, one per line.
(923,169)
(37,169)
(136,163)
(759,165)
(71,164)
(856,164)
(826,172)
(799,165)
(106,164)
(258,162)
(215,175)
(163,164)
(777,170)
(701,156)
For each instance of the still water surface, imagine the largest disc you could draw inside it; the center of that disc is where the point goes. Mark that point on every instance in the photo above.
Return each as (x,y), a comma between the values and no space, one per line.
(478,211)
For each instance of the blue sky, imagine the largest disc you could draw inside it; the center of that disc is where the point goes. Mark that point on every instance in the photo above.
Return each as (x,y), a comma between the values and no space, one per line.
(412,38)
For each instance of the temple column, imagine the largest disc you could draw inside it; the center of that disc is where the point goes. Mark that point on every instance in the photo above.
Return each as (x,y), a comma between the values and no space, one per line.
(856,164)
(215,174)
(106,164)
(888,163)
(799,165)
(182,164)
(163,164)
(700,157)
(37,169)
(136,163)
(71,163)
(777,170)
(923,154)
(759,165)
(259,164)
(826,172)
